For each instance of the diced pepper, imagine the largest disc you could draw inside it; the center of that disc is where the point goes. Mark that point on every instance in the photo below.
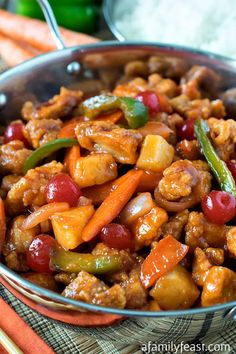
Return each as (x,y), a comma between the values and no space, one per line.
(68,225)
(218,166)
(73,262)
(164,257)
(45,151)
(135,112)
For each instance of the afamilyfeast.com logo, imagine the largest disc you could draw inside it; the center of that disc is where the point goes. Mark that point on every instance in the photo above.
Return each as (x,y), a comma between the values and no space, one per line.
(182,347)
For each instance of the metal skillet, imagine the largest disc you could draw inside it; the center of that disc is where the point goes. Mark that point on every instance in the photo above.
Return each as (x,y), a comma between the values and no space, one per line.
(82,67)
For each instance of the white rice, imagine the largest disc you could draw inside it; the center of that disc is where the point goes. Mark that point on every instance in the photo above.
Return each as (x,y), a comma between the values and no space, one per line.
(202,24)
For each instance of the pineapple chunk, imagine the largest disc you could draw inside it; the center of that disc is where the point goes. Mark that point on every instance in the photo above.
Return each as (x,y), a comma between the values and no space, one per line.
(156,154)
(95,169)
(68,225)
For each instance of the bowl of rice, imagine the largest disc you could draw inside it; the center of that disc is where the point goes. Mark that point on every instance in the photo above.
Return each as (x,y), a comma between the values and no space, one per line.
(208,25)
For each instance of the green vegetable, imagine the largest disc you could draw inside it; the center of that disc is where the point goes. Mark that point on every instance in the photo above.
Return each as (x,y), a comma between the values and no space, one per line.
(135,112)
(46,150)
(218,167)
(73,262)
(77,15)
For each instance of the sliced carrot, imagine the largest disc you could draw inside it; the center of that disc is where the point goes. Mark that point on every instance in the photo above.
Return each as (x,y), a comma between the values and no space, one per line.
(43,214)
(164,257)
(111,117)
(165,105)
(68,129)
(72,155)
(149,181)
(113,204)
(2,224)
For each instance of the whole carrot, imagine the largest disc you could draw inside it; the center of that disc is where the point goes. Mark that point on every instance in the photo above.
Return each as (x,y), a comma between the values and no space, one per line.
(113,204)
(36,33)
(14,53)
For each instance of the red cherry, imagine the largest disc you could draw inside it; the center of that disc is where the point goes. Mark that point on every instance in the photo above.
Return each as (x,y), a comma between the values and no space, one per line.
(38,254)
(186,130)
(117,236)
(14,131)
(232,167)
(219,207)
(150,100)
(62,188)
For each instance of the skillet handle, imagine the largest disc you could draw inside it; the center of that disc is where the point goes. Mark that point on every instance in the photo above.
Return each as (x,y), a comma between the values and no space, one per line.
(52,23)
(74,67)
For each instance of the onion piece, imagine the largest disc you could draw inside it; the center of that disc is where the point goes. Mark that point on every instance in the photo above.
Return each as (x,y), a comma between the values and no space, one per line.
(175,206)
(137,207)
(43,214)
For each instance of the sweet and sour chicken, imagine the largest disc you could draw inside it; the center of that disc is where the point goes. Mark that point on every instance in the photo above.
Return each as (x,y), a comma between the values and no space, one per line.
(125,199)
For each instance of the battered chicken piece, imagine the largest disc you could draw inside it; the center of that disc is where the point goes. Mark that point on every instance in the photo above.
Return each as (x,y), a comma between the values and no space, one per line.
(202,233)
(7,183)
(29,191)
(199,80)
(176,224)
(215,255)
(188,149)
(167,87)
(223,134)
(57,107)
(45,280)
(13,156)
(231,241)
(170,67)
(95,169)
(198,108)
(17,243)
(40,132)
(219,286)
(107,137)
(86,287)
(65,278)
(201,266)
(136,295)
(147,228)
(178,180)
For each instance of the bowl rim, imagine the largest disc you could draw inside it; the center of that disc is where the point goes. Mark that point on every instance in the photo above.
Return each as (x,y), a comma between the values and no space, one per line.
(92,48)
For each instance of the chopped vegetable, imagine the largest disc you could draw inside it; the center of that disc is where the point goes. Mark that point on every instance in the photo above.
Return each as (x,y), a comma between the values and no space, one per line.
(219,207)
(136,207)
(113,204)
(68,225)
(117,236)
(72,155)
(135,112)
(163,258)
(73,262)
(156,154)
(43,214)
(62,188)
(2,225)
(45,151)
(218,166)
(38,253)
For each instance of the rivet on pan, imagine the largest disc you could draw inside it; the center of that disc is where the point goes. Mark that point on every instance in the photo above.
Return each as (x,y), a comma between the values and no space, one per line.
(73,68)
(3,100)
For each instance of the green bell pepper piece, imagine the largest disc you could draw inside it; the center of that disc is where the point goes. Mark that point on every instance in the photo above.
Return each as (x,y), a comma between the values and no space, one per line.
(73,262)
(80,16)
(135,112)
(218,166)
(45,151)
